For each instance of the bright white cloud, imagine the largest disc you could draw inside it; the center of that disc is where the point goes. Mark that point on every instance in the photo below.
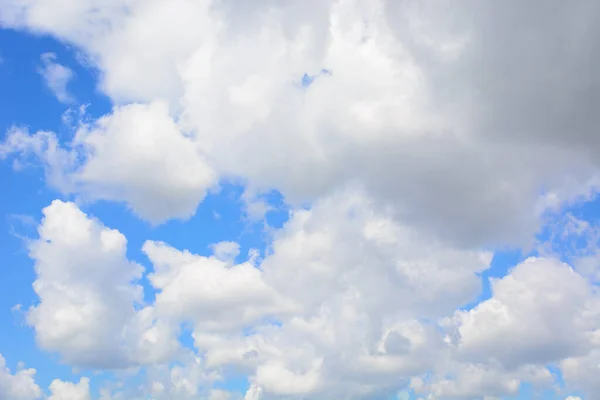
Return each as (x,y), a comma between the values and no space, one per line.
(346,286)
(226,251)
(209,291)
(427,133)
(405,107)
(541,312)
(480,381)
(87,298)
(19,385)
(581,372)
(57,77)
(336,306)
(137,155)
(60,390)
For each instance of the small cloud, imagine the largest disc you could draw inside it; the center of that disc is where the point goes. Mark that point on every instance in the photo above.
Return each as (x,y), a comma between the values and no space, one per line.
(254,256)
(226,251)
(21,226)
(24,219)
(255,205)
(57,77)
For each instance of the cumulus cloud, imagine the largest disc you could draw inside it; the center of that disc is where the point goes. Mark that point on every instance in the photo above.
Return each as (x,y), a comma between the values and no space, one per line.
(19,385)
(420,137)
(56,77)
(137,155)
(480,381)
(60,390)
(89,304)
(405,106)
(346,301)
(542,312)
(580,372)
(209,291)
(334,306)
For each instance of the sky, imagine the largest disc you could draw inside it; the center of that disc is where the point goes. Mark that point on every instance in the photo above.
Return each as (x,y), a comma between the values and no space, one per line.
(303,200)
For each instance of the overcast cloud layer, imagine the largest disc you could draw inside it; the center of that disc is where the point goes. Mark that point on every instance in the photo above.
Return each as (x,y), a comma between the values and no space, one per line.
(422,135)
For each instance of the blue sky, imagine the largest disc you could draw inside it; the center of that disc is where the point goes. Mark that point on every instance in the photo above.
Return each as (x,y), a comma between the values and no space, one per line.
(349,224)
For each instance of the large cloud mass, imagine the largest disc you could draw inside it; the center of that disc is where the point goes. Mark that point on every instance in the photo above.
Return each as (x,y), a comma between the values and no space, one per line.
(421,135)
(459,116)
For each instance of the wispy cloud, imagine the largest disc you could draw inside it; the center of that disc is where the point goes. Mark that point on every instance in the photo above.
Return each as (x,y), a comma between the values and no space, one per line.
(57,77)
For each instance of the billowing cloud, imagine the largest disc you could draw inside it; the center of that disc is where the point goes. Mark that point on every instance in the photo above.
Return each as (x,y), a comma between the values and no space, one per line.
(19,385)
(137,155)
(580,372)
(89,304)
(60,390)
(445,113)
(540,313)
(420,137)
(209,291)
(334,307)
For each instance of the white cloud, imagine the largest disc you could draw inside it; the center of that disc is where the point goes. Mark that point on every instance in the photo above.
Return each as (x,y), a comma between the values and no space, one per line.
(226,251)
(19,385)
(187,381)
(345,302)
(214,294)
(346,286)
(60,390)
(406,108)
(581,372)
(137,155)
(541,312)
(45,147)
(460,129)
(56,77)
(480,381)
(87,295)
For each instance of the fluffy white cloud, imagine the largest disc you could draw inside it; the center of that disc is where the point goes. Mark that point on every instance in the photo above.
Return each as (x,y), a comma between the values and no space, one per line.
(334,306)
(479,381)
(226,251)
(404,106)
(461,124)
(210,291)
(189,381)
(581,372)
(22,386)
(361,290)
(57,77)
(87,295)
(541,312)
(137,155)
(18,386)
(60,390)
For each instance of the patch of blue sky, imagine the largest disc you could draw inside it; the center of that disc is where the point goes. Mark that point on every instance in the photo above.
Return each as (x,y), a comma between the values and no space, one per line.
(308,79)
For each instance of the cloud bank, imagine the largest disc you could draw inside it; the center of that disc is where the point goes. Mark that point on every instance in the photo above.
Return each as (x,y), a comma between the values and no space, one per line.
(422,137)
